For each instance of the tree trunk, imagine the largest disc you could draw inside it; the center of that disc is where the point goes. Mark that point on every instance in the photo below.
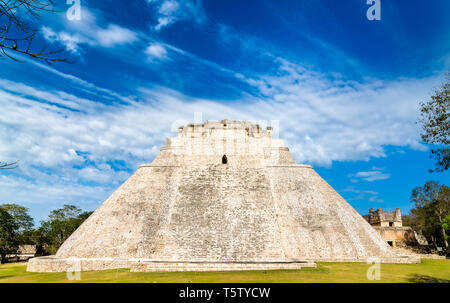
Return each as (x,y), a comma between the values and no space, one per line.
(443,232)
(434,242)
(445,240)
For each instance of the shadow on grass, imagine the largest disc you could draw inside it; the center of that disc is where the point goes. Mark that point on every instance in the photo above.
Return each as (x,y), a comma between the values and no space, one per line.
(426,279)
(6,276)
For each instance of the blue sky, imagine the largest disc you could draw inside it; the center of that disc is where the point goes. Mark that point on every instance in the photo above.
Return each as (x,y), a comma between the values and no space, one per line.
(344,90)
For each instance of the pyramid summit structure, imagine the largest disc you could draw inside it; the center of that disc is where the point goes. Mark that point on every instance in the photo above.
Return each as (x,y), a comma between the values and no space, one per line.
(220,196)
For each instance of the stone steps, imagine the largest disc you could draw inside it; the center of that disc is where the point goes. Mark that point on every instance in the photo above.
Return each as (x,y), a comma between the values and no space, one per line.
(222,213)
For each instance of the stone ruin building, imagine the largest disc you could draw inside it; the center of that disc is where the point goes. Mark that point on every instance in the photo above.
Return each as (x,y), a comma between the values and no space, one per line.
(389,225)
(220,196)
(24,252)
(384,219)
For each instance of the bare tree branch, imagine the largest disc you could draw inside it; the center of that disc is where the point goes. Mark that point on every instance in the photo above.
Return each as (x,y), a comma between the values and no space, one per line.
(6,165)
(18,37)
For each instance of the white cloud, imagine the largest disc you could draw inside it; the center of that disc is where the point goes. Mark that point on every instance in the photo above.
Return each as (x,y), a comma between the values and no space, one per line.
(86,86)
(70,42)
(318,126)
(168,7)
(66,143)
(361,194)
(324,120)
(376,199)
(50,191)
(87,31)
(156,50)
(115,35)
(373,175)
(170,11)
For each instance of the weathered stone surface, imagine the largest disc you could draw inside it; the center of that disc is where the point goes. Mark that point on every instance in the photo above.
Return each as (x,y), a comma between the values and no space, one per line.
(54,264)
(205,266)
(189,207)
(390,226)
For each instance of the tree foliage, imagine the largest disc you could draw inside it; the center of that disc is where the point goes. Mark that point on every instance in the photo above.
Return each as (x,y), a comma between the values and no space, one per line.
(60,225)
(432,206)
(22,220)
(20,228)
(8,230)
(435,122)
(16,228)
(18,35)
(446,225)
(20,215)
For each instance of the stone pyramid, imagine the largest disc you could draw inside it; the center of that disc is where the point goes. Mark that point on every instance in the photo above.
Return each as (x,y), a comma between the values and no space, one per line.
(220,196)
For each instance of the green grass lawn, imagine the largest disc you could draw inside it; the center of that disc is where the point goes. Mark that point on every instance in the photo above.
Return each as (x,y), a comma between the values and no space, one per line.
(427,271)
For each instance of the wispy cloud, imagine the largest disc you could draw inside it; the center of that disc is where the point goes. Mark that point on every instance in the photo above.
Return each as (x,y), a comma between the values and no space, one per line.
(64,140)
(355,194)
(169,12)
(321,121)
(377,173)
(69,41)
(70,145)
(373,175)
(87,31)
(156,51)
(115,35)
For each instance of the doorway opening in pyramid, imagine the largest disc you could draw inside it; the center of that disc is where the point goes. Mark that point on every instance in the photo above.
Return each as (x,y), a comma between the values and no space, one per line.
(224,159)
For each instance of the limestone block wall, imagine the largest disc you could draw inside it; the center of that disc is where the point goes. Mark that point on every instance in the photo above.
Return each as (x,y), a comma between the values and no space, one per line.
(396,234)
(135,210)
(316,223)
(222,213)
(243,143)
(381,218)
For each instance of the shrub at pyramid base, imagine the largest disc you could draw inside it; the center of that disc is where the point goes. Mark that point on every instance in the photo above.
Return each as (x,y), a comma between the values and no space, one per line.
(220,196)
